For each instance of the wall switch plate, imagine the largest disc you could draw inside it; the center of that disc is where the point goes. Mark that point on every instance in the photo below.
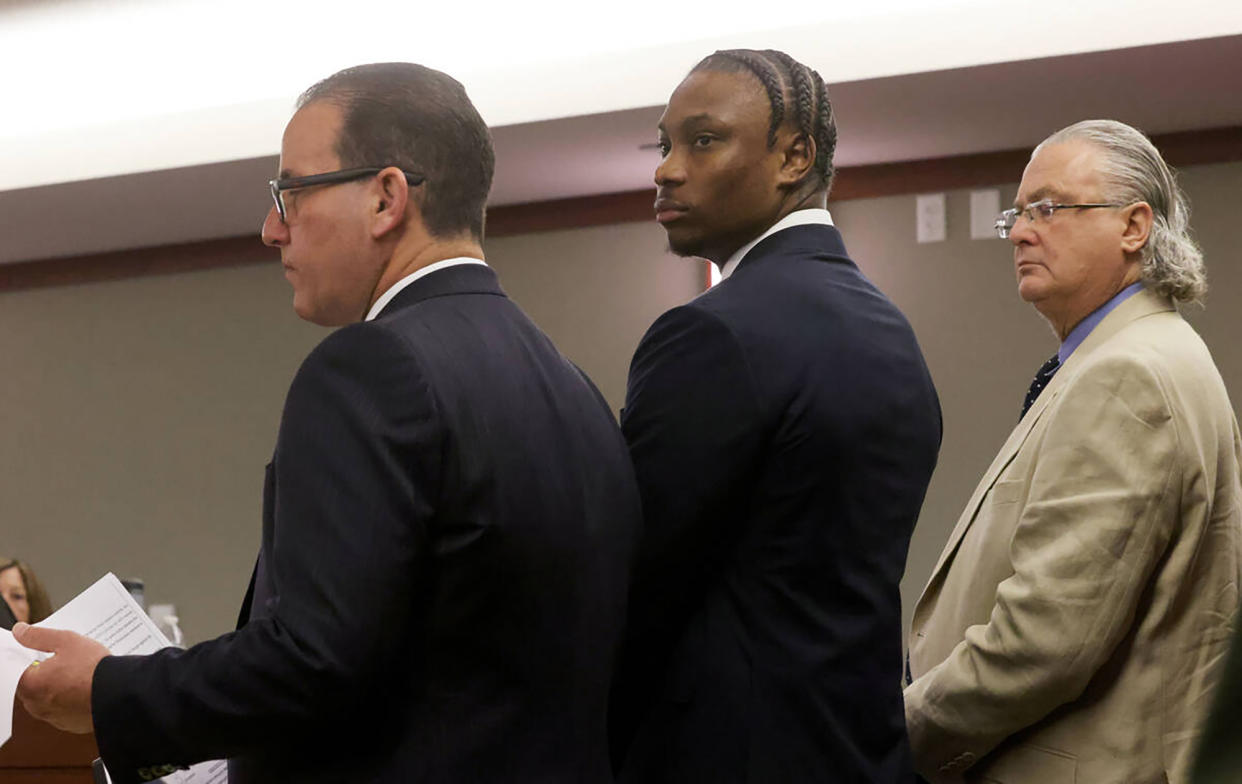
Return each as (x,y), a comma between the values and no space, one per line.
(930,218)
(984,207)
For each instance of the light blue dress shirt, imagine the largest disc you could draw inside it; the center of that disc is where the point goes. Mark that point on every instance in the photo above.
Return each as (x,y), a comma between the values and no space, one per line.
(1079,333)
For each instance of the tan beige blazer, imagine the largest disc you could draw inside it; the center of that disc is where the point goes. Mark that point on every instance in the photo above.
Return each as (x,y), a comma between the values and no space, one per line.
(1075,624)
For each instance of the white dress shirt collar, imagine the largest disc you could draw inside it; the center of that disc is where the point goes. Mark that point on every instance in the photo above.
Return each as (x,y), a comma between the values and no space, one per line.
(813,215)
(396,288)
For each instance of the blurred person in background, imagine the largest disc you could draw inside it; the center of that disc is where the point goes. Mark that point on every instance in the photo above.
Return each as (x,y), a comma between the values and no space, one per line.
(23,592)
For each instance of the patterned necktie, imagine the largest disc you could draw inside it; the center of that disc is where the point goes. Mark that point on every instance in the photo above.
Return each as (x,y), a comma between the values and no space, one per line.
(1045,374)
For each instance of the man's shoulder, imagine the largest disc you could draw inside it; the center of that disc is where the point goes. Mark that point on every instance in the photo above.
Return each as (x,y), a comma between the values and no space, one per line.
(802,266)
(786,287)
(1153,366)
(360,340)
(413,326)
(704,319)
(797,244)
(1160,345)
(368,355)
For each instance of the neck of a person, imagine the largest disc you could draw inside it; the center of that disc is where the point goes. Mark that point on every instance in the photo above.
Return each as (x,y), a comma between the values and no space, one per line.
(1063,323)
(1065,318)
(411,254)
(804,201)
(815,200)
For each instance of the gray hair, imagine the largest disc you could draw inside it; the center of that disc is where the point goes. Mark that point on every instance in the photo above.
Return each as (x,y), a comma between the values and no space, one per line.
(1135,171)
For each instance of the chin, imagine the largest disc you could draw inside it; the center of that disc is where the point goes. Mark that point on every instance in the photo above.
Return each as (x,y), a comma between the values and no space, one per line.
(683,249)
(682,245)
(309,313)
(1031,291)
(327,319)
(300,308)
(1031,285)
(684,252)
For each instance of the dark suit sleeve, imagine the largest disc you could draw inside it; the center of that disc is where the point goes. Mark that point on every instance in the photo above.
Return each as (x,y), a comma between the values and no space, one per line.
(355,476)
(694,426)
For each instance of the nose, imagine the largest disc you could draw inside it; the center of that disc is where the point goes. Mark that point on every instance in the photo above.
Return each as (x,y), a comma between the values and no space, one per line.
(275,233)
(670,171)
(1023,232)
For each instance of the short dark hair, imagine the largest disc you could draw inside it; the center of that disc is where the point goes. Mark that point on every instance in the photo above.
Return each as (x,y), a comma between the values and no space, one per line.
(420,120)
(787,81)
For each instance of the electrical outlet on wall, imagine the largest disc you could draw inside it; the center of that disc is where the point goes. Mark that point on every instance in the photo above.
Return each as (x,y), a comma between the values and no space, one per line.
(929,216)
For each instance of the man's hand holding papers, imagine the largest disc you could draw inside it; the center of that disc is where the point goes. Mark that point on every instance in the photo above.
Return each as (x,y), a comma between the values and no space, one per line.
(58,690)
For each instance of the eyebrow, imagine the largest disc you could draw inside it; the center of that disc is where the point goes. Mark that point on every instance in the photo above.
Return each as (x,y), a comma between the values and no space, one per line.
(692,119)
(700,117)
(1045,192)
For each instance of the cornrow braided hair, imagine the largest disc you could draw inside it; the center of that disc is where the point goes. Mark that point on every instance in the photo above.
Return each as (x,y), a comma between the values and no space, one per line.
(782,76)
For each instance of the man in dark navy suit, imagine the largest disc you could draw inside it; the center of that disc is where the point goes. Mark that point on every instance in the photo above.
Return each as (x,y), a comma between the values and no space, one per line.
(784,428)
(449,515)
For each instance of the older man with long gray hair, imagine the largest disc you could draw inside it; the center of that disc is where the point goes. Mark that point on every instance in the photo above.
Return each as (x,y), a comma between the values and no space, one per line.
(1075,624)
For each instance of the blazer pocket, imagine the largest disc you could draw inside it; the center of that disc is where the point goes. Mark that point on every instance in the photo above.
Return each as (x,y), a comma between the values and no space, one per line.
(1006,491)
(1030,765)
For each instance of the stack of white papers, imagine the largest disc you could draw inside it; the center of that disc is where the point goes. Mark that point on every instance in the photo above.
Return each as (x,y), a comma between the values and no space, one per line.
(106,613)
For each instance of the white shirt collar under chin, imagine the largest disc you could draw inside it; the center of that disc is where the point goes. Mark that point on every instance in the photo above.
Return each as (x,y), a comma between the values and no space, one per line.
(811,215)
(396,288)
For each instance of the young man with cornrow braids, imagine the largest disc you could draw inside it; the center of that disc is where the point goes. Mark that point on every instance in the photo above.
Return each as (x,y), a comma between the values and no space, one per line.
(784,428)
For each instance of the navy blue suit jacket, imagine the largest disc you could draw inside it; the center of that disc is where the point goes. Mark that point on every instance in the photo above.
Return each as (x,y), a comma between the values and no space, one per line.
(448,524)
(784,428)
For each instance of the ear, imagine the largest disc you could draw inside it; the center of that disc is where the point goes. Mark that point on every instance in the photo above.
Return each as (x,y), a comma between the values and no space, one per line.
(797,158)
(389,199)
(1139,219)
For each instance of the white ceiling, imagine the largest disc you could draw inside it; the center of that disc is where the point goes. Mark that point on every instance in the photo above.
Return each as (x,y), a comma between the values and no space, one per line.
(96,88)
(154,200)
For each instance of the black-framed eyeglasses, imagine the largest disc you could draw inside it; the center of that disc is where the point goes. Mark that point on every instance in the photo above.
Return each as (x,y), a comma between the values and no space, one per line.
(1038,212)
(278,187)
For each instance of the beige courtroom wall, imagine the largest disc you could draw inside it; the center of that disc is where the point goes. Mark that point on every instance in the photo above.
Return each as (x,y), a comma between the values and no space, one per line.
(138,414)
(596,290)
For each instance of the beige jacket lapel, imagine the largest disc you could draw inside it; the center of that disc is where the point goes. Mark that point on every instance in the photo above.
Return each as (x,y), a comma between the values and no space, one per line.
(1144,303)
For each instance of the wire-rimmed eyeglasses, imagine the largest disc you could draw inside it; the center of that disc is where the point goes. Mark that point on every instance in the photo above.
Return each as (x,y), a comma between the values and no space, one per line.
(1038,212)
(279,186)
